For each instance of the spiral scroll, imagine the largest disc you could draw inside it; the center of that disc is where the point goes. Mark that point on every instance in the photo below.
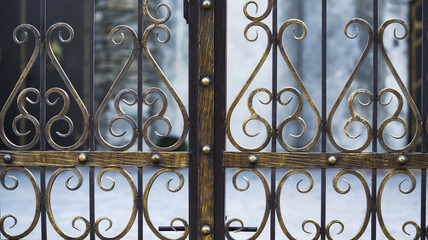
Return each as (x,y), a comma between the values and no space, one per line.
(146,200)
(36,190)
(278,202)
(413,107)
(49,207)
(404,191)
(158,24)
(355,117)
(295,115)
(62,115)
(120,114)
(338,190)
(256,22)
(131,220)
(267,196)
(22,95)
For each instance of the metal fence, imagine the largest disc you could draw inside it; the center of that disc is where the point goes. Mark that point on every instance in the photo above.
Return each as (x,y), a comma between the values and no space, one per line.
(42,143)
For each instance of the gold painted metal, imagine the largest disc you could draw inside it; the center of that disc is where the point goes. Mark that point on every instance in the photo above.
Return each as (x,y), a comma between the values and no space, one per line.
(332,160)
(297,112)
(242,189)
(22,95)
(36,190)
(120,114)
(256,22)
(338,190)
(155,158)
(131,220)
(402,160)
(355,117)
(253,159)
(82,158)
(24,114)
(97,159)
(206,4)
(303,191)
(8,158)
(173,190)
(206,149)
(206,230)
(395,116)
(206,81)
(62,116)
(49,207)
(404,191)
(159,25)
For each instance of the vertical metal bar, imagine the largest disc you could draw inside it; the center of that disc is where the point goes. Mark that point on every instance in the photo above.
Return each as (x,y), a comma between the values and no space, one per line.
(92,143)
(274,112)
(205,118)
(323,113)
(193,120)
(140,118)
(324,76)
(423,202)
(424,98)
(220,86)
(92,201)
(42,202)
(140,75)
(373,200)
(374,120)
(43,117)
(140,203)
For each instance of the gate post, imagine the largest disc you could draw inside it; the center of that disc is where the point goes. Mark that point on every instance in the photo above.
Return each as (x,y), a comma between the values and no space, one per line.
(201,111)
(207,94)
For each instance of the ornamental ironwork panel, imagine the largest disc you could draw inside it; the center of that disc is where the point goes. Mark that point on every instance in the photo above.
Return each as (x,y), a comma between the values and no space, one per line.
(213,119)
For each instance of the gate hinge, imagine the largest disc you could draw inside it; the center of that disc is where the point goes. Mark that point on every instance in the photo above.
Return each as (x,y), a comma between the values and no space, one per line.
(186,10)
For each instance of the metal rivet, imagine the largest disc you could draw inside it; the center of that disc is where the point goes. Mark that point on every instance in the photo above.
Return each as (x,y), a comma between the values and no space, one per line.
(402,160)
(82,157)
(206,81)
(253,159)
(206,149)
(8,158)
(206,4)
(332,160)
(206,229)
(156,158)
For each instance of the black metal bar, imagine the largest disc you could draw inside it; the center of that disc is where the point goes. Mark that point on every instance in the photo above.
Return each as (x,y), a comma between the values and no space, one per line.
(92,201)
(323,202)
(274,113)
(140,76)
(374,120)
(42,202)
(423,202)
(324,76)
(193,116)
(373,202)
(140,203)
(181,228)
(323,113)
(140,220)
(375,73)
(43,118)
(91,73)
(424,99)
(92,142)
(220,86)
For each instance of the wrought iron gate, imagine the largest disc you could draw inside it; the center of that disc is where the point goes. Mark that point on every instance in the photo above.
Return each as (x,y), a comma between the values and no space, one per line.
(207,125)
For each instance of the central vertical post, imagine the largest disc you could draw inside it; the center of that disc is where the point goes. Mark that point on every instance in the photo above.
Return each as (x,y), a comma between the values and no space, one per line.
(201,99)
